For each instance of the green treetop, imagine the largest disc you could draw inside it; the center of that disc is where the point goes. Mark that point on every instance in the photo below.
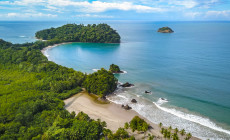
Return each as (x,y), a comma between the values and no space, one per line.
(101,33)
(101,82)
(165,30)
(114,68)
(138,124)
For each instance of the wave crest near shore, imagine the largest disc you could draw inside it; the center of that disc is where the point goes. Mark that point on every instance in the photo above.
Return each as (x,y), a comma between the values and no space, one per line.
(193,118)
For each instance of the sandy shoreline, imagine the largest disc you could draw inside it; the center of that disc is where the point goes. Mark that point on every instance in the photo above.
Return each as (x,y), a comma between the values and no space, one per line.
(52,46)
(111,113)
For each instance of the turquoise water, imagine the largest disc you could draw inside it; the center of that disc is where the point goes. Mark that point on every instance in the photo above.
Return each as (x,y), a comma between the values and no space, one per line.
(190,68)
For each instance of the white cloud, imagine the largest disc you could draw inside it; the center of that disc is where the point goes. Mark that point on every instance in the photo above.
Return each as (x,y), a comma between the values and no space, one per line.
(225,13)
(88,7)
(209,14)
(4,2)
(28,2)
(26,15)
(93,16)
(53,9)
(192,14)
(97,6)
(186,3)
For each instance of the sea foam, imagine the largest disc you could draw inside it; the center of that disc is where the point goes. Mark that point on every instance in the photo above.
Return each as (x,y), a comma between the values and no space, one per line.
(193,118)
(124,72)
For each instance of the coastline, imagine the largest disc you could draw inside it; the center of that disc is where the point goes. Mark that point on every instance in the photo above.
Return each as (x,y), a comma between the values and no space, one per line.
(55,45)
(115,116)
(52,46)
(111,113)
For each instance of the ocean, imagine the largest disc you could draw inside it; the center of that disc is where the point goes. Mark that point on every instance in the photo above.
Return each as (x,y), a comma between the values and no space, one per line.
(190,68)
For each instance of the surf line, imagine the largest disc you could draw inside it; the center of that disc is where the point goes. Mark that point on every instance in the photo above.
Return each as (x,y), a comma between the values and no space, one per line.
(193,118)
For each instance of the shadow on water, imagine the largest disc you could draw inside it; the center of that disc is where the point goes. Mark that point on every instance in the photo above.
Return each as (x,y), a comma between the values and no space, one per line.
(92,47)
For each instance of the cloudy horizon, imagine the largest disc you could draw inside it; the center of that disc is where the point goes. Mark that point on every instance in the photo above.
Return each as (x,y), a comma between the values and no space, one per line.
(155,10)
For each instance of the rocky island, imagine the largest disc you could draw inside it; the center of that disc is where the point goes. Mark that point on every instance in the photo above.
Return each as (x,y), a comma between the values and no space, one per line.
(165,30)
(115,69)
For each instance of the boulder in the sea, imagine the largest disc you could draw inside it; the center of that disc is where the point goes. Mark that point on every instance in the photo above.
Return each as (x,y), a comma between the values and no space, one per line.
(147,91)
(134,101)
(126,107)
(127,84)
(163,99)
(165,30)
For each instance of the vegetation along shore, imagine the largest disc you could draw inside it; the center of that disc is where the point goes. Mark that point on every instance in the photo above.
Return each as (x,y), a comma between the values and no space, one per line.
(33,90)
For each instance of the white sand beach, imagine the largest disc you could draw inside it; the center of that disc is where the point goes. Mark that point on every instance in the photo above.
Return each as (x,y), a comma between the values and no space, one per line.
(111,113)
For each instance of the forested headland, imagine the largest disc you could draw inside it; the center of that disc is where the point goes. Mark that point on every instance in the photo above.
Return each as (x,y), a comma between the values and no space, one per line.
(32,90)
(100,33)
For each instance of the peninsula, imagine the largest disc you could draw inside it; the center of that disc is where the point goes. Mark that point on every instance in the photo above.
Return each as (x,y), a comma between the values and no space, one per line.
(100,33)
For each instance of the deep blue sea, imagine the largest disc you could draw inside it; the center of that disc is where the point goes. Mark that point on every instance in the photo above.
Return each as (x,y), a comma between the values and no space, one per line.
(190,68)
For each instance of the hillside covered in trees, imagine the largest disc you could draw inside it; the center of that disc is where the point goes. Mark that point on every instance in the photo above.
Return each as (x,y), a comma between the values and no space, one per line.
(32,90)
(95,82)
(101,33)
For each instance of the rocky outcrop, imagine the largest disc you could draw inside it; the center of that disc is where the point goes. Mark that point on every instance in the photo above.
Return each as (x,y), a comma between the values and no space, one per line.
(134,101)
(165,30)
(103,100)
(147,91)
(127,84)
(163,99)
(115,69)
(126,107)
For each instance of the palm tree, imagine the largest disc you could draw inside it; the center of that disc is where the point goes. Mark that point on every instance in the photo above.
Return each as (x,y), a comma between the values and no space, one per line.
(182,132)
(150,137)
(160,124)
(162,130)
(169,134)
(189,135)
(170,128)
(165,133)
(175,136)
(176,130)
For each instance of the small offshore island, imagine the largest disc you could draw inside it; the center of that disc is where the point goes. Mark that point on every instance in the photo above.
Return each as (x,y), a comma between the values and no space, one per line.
(33,90)
(165,30)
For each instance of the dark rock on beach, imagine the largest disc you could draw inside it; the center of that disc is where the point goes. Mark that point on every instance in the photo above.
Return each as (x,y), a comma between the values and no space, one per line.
(127,84)
(103,100)
(134,101)
(126,107)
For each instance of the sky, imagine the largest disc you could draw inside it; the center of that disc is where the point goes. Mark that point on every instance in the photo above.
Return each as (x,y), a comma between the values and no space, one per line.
(150,10)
